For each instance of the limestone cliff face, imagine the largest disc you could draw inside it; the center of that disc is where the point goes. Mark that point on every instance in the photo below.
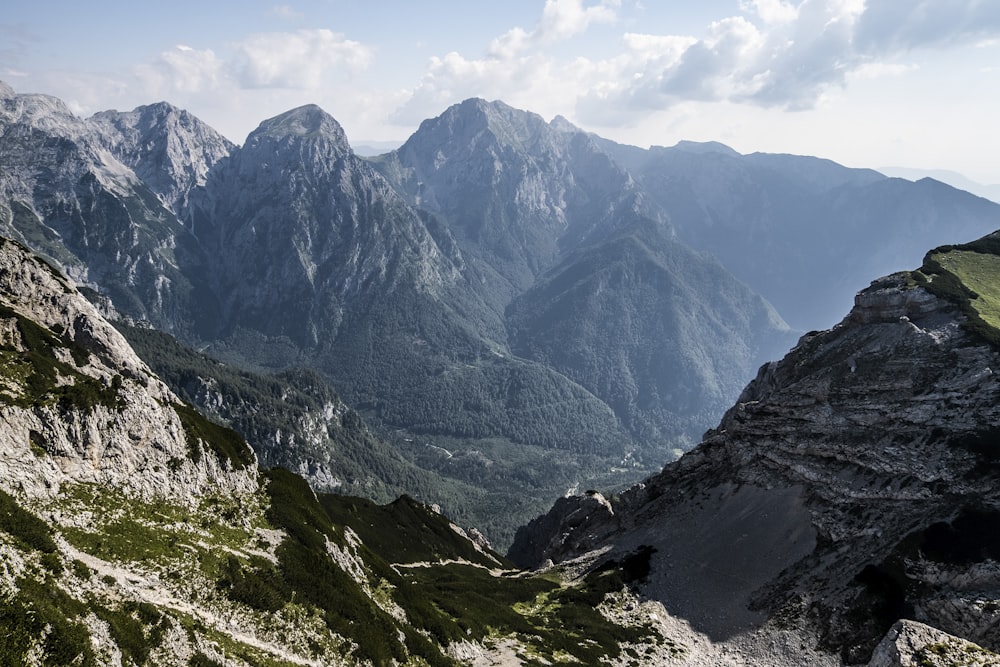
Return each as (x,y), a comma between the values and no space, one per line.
(65,193)
(853,483)
(171,150)
(79,406)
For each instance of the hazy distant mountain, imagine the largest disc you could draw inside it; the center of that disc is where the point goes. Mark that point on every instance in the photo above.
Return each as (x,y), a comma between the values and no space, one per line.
(952,178)
(654,329)
(374,148)
(805,233)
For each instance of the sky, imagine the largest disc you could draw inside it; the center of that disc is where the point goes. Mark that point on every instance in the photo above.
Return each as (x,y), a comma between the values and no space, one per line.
(867,83)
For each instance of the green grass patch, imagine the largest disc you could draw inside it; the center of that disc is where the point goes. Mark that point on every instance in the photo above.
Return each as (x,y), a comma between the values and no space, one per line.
(954,653)
(174,537)
(28,531)
(231,648)
(42,618)
(555,622)
(137,628)
(258,585)
(201,660)
(227,444)
(969,276)
(981,274)
(308,571)
(450,603)
(404,531)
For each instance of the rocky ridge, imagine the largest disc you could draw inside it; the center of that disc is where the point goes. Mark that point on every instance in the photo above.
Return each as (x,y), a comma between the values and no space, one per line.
(852,484)
(169,149)
(65,194)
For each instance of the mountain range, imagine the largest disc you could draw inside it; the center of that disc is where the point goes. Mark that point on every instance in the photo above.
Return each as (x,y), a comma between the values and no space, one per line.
(500,295)
(844,511)
(505,305)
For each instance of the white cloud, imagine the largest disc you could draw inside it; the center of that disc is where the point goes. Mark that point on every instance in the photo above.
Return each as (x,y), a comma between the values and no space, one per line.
(182,69)
(287,12)
(898,25)
(880,70)
(771,11)
(790,55)
(785,54)
(515,67)
(300,59)
(560,20)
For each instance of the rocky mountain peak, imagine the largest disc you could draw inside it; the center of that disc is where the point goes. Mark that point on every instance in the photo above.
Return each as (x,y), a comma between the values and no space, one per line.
(477,124)
(704,147)
(561,124)
(170,149)
(40,111)
(305,122)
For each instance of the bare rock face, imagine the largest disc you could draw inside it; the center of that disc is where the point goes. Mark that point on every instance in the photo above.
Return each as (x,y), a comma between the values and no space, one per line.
(913,644)
(853,483)
(574,525)
(171,150)
(79,406)
(65,193)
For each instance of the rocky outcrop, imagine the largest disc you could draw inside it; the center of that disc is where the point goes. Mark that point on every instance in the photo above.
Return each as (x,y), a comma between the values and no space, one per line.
(574,525)
(79,406)
(913,644)
(852,483)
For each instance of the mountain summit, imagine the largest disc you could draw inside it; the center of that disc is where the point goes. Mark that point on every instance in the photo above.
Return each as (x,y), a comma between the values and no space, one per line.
(171,150)
(305,122)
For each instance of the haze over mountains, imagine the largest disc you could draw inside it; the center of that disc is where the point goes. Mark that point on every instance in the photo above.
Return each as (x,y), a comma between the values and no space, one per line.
(498,289)
(960,181)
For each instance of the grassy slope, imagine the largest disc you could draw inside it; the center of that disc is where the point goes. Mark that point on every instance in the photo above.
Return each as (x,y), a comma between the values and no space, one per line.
(969,276)
(981,273)
(147,571)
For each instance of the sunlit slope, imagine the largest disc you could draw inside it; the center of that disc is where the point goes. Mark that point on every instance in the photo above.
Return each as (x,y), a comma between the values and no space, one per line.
(968,275)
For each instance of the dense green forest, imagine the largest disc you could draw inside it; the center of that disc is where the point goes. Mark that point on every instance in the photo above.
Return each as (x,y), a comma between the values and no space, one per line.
(295,419)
